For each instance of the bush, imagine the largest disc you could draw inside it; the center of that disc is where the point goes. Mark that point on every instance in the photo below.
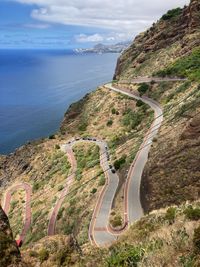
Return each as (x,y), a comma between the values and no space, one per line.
(68,229)
(93,191)
(172,13)
(113,111)
(170,215)
(192,213)
(109,123)
(116,221)
(36,186)
(139,103)
(63,256)
(125,256)
(118,163)
(43,255)
(102,181)
(83,127)
(60,187)
(196,239)
(188,66)
(52,136)
(57,147)
(143,88)
(132,119)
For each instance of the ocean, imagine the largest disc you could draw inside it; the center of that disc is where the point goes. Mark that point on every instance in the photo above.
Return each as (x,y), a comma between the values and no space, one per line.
(37,87)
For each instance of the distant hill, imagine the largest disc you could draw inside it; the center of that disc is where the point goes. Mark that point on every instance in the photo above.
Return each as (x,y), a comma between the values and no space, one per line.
(102,48)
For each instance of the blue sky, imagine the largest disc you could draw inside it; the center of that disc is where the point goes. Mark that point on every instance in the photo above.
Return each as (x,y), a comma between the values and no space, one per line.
(76,23)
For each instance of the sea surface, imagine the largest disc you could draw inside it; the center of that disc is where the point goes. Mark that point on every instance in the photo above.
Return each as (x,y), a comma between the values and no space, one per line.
(37,87)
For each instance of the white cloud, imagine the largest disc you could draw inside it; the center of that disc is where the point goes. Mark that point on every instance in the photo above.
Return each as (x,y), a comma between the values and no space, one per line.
(83,38)
(130,16)
(106,38)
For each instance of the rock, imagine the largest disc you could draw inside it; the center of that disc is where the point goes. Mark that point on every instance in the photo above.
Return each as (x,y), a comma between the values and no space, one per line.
(9,252)
(192,129)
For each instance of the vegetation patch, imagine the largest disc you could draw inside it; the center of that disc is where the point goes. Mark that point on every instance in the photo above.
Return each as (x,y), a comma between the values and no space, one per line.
(87,156)
(126,255)
(187,66)
(143,88)
(120,162)
(173,13)
(192,213)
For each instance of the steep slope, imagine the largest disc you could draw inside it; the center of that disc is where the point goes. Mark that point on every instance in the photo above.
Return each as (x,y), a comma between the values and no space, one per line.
(170,48)
(176,34)
(163,238)
(9,253)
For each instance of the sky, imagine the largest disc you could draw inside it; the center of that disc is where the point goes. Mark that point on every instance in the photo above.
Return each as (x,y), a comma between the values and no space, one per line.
(67,24)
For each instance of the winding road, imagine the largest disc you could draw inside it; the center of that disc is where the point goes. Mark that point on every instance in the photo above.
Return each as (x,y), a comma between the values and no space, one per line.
(8,196)
(100,232)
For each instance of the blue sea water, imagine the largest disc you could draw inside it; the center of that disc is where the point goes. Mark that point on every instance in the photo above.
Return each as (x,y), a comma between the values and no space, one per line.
(37,87)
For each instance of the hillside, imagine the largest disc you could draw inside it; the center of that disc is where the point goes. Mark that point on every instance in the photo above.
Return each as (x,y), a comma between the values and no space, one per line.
(9,253)
(175,35)
(166,236)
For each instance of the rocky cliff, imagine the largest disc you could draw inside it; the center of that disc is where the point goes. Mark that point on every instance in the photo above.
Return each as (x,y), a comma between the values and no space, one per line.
(173,36)
(9,253)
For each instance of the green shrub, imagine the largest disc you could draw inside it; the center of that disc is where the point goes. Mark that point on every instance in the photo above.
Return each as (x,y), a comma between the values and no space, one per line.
(143,88)
(63,257)
(132,119)
(43,255)
(93,191)
(102,181)
(172,14)
(70,210)
(170,215)
(57,146)
(139,103)
(60,187)
(68,229)
(118,163)
(188,66)
(113,111)
(125,256)
(196,239)
(52,136)
(109,123)
(13,205)
(36,186)
(83,127)
(187,261)
(192,213)
(116,221)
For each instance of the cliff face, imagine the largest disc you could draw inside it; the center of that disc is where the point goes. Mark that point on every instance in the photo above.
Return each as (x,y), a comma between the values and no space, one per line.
(177,31)
(171,175)
(9,253)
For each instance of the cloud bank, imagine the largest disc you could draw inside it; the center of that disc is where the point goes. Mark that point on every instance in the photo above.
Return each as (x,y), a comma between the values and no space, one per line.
(128,17)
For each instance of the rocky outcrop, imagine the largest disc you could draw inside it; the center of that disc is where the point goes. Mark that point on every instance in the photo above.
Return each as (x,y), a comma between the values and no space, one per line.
(192,129)
(170,29)
(9,253)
